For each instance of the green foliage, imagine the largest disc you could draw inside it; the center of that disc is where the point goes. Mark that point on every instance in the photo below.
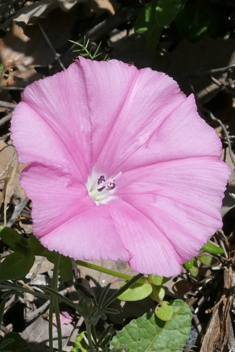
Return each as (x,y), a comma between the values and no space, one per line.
(136,292)
(1,68)
(65,266)
(165,311)
(197,20)
(80,343)
(154,17)
(146,17)
(14,240)
(158,280)
(85,50)
(166,11)
(13,342)
(151,334)
(207,260)
(17,264)
(212,248)
(158,293)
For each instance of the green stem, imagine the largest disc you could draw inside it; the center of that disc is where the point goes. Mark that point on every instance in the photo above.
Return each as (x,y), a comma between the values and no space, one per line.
(23,289)
(54,304)
(89,336)
(142,280)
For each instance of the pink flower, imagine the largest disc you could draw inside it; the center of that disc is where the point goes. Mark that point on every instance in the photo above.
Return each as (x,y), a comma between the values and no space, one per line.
(65,319)
(121,166)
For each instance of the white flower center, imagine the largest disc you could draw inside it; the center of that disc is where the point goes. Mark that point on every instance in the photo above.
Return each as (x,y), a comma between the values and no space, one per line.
(100,189)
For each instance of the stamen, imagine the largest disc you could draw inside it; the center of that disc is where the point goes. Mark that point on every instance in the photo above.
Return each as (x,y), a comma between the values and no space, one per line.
(110,186)
(101,179)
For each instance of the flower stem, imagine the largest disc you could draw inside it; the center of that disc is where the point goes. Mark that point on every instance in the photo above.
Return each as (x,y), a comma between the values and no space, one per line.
(141,280)
(54,304)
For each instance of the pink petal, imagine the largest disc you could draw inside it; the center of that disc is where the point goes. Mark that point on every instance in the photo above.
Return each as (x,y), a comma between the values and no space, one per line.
(61,103)
(90,235)
(183,134)
(35,141)
(150,250)
(126,106)
(56,197)
(180,199)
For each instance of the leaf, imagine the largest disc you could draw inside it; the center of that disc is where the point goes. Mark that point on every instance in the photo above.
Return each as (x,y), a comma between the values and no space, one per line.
(189,264)
(207,260)
(166,11)
(158,280)
(212,248)
(66,270)
(145,17)
(80,343)
(14,240)
(35,245)
(165,311)
(194,271)
(152,37)
(158,293)
(136,292)
(16,265)
(150,334)
(14,343)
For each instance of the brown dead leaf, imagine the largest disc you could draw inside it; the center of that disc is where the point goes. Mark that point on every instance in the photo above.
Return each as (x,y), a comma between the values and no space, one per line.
(24,48)
(40,9)
(218,334)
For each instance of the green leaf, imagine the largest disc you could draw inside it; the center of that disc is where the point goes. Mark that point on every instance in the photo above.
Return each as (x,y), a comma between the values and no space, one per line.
(166,11)
(197,20)
(158,293)
(13,239)
(189,264)
(158,280)
(145,17)
(35,245)
(207,260)
(1,68)
(14,343)
(152,37)
(66,270)
(212,248)
(194,271)
(150,334)
(80,343)
(16,265)
(165,311)
(136,292)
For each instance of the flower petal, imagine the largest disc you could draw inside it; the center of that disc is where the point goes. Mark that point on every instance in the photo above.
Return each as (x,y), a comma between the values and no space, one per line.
(180,199)
(89,235)
(38,142)
(55,195)
(150,250)
(182,135)
(61,102)
(126,106)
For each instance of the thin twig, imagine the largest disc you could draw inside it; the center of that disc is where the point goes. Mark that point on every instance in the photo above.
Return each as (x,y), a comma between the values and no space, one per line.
(212,71)
(5,104)
(5,119)
(51,46)
(224,129)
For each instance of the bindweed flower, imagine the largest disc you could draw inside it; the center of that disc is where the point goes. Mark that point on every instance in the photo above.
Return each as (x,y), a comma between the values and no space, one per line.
(121,166)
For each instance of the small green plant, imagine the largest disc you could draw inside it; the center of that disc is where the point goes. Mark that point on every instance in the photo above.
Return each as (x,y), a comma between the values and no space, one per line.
(85,50)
